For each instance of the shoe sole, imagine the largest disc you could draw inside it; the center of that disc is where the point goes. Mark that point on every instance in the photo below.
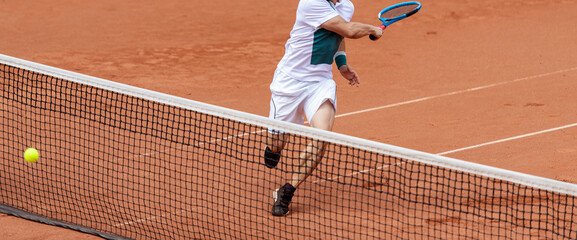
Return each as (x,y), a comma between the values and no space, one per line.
(275,194)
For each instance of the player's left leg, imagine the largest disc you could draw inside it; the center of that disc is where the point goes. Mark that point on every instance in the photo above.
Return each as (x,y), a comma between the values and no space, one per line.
(287,94)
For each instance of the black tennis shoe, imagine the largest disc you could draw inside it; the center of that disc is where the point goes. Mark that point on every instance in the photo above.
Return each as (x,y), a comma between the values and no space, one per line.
(282,198)
(271,158)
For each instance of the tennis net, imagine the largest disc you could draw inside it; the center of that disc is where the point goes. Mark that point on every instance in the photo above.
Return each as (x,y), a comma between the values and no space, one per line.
(128,163)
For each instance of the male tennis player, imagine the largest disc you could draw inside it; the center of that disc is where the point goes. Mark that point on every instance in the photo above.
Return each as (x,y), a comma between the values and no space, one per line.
(303,82)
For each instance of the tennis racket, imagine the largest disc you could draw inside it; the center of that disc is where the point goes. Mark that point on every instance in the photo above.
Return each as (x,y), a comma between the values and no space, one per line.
(397,12)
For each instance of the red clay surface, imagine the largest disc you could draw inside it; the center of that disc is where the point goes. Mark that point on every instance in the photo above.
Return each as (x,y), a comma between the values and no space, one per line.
(522,52)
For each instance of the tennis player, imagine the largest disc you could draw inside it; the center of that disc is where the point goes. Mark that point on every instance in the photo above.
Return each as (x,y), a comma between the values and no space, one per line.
(303,82)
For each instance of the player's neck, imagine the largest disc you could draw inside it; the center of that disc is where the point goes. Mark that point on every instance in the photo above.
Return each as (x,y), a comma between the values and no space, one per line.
(334,1)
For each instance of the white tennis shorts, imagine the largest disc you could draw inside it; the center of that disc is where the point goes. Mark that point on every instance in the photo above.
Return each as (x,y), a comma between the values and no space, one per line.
(292,100)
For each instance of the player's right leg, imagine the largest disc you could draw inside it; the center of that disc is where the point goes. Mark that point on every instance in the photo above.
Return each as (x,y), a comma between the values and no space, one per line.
(311,156)
(309,159)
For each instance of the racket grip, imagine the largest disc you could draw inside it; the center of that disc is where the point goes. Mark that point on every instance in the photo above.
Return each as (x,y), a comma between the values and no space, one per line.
(375,38)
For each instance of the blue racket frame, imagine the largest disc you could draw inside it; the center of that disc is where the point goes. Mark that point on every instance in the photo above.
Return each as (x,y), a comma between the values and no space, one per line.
(389,21)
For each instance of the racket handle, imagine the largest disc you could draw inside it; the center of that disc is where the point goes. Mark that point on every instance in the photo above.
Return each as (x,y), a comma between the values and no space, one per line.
(375,38)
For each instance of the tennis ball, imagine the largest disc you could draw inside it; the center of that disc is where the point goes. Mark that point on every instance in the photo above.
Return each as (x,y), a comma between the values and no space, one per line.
(31,155)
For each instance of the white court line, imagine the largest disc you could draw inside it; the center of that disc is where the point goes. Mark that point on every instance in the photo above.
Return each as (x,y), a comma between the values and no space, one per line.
(140,220)
(457,92)
(508,139)
(359,172)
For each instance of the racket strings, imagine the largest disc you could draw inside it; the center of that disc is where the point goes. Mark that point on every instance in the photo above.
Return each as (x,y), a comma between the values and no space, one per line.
(399,11)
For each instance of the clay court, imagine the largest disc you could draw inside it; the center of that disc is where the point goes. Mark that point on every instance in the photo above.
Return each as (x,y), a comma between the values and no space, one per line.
(491,82)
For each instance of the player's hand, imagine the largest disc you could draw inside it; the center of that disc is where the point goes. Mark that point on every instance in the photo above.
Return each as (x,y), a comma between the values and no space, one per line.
(378,33)
(350,74)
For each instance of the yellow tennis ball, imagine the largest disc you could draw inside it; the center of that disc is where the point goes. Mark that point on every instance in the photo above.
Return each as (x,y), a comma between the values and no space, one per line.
(31,155)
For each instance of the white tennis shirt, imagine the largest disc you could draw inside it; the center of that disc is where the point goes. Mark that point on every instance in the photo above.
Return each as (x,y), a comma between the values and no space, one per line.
(310,50)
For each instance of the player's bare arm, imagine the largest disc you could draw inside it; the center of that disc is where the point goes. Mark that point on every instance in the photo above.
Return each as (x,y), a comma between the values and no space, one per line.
(347,71)
(353,30)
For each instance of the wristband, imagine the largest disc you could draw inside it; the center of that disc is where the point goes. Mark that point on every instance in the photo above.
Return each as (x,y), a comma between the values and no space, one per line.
(340,59)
